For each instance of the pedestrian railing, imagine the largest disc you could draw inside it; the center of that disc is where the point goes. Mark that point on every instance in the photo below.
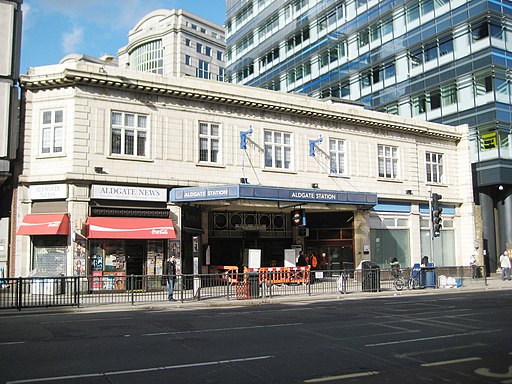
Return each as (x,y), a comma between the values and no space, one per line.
(29,292)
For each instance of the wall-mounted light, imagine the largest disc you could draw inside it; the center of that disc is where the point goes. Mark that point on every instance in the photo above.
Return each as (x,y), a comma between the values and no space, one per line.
(243,180)
(408,192)
(99,170)
(314,185)
(500,187)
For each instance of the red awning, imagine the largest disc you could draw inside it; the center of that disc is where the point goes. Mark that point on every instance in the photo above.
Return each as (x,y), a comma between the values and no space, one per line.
(129,228)
(44,224)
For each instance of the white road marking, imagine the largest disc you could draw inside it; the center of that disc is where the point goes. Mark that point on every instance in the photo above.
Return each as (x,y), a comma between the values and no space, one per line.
(142,370)
(221,329)
(13,342)
(85,320)
(447,362)
(431,338)
(341,377)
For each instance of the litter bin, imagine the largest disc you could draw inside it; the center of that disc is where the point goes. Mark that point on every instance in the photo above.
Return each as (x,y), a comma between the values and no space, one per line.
(370,273)
(254,285)
(428,276)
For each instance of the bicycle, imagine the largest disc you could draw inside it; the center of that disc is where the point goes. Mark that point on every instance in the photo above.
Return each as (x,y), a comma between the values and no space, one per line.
(399,282)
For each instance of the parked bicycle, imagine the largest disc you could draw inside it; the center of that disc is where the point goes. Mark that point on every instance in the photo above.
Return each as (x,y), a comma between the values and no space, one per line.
(399,281)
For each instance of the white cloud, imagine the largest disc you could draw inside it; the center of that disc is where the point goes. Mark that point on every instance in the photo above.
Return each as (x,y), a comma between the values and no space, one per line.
(113,14)
(72,41)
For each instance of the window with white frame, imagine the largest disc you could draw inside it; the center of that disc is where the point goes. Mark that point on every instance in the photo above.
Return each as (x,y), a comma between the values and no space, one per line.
(52,131)
(337,156)
(278,150)
(434,167)
(388,161)
(129,134)
(209,142)
(148,57)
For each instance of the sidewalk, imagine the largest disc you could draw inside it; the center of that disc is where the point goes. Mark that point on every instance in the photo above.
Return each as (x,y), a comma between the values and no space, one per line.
(494,283)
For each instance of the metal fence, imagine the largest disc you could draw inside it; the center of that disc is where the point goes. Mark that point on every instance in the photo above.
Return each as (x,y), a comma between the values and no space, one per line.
(30,292)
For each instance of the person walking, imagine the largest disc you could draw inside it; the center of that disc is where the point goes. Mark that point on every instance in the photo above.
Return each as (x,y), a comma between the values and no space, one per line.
(170,275)
(505,266)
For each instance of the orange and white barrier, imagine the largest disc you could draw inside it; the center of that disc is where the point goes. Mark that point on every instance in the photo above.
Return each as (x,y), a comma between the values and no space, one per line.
(280,275)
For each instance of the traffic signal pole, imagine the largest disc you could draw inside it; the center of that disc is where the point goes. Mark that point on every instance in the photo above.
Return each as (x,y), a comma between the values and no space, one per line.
(431,225)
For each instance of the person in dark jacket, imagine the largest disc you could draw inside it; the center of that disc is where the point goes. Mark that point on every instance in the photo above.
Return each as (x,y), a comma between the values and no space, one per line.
(170,275)
(301,261)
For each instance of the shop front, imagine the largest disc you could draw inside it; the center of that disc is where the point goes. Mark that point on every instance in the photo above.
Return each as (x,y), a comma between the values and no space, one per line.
(49,237)
(127,242)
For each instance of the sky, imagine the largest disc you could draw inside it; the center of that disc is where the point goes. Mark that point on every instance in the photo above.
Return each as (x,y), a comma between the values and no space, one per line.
(54,28)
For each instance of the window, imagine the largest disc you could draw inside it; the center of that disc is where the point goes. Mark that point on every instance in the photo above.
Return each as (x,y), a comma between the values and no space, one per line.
(449,95)
(222,74)
(203,70)
(434,167)
(199,48)
(209,142)
(269,57)
(483,84)
(188,43)
(297,39)
(129,134)
(219,55)
(278,150)
(148,57)
(188,60)
(388,161)
(52,131)
(298,72)
(480,31)
(207,51)
(337,156)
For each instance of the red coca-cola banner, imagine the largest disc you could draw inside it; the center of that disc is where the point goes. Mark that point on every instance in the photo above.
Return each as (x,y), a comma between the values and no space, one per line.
(129,228)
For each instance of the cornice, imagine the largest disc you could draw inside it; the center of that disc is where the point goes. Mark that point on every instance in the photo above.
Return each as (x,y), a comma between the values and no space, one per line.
(301,105)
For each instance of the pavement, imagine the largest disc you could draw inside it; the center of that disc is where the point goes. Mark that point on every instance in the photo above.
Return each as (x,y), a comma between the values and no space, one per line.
(492,283)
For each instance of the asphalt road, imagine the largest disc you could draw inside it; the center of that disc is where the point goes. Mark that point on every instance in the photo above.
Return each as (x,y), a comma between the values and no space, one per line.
(459,338)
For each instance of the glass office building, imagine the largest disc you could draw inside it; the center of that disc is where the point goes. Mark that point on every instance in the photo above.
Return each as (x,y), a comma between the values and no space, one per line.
(438,60)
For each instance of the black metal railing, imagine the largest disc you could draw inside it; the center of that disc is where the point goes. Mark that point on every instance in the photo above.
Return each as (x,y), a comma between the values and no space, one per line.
(30,292)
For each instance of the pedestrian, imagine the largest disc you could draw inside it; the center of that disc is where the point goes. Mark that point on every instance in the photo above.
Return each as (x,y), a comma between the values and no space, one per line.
(505,266)
(313,260)
(395,267)
(170,275)
(301,261)
(472,263)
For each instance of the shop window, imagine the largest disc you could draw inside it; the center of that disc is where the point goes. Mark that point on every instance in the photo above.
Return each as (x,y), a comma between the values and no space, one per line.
(50,255)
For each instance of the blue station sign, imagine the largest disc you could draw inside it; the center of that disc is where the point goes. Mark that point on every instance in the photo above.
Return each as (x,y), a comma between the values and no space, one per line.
(255,192)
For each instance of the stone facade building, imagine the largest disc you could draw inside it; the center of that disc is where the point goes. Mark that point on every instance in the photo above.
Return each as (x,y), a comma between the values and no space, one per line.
(122,168)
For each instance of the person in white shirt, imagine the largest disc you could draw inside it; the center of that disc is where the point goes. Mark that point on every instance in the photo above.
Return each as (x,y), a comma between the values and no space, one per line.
(474,267)
(505,266)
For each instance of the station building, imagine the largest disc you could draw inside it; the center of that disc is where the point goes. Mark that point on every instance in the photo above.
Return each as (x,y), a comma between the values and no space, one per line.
(123,168)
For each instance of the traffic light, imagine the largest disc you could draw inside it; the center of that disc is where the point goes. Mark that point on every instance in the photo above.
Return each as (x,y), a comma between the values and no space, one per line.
(436,214)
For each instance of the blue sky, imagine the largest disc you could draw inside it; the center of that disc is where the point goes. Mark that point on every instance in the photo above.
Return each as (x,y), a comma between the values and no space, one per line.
(55,28)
